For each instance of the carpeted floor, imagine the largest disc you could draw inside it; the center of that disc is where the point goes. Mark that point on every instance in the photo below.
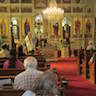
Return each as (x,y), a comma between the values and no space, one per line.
(77,85)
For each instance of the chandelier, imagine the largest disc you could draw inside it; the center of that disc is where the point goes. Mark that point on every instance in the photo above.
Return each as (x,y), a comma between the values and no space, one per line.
(52,12)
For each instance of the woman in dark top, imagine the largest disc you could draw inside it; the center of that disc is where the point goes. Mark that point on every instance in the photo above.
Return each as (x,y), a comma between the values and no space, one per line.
(20,51)
(13,62)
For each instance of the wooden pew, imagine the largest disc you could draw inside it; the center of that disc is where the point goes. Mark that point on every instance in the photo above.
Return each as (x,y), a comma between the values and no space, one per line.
(92,70)
(85,65)
(5,91)
(15,71)
(10,71)
(41,60)
(79,54)
(11,92)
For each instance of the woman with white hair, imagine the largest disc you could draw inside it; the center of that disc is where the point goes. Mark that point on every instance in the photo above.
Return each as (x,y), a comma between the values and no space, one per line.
(91,45)
(25,79)
(46,85)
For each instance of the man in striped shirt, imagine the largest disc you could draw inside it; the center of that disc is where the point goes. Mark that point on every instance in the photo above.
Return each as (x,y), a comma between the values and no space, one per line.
(25,79)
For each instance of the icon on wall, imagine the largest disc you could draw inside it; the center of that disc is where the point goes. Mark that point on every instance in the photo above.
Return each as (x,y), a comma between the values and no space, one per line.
(77,26)
(26,27)
(88,27)
(3,27)
(77,32)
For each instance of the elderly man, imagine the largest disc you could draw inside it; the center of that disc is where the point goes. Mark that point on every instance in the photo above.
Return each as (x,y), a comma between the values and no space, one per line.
(91,46)
(25,79)
(46,85)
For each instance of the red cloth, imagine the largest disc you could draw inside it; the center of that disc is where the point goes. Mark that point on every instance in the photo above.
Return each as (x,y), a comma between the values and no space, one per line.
(77,85)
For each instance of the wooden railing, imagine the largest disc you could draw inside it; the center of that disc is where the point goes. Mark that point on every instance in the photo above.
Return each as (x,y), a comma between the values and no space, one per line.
(14,71)
(11,92)
(85,65)
(92,70)
(41,60)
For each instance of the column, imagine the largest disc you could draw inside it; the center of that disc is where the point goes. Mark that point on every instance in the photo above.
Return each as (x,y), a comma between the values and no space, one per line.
(9,32)
(60,28)
(49,29)
(20,29)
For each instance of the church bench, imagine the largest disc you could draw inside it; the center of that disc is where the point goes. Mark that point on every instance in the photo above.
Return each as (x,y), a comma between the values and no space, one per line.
(41,61)
(92,73)
(11,92)
(10,71)
(79,54)
(14,71)
(7,77)
(85,64)
(92,70)
(84,68)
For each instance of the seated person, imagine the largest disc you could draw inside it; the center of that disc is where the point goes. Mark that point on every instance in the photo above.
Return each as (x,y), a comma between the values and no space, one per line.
(91,46)
(36,51)
(4,52)
(24,80)
(13,62)
(20,51)
(45,85)
(29,43)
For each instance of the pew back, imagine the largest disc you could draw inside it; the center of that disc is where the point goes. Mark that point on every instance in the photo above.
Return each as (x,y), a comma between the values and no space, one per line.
(10,71)
(40,58)
(11,92)
(92,70)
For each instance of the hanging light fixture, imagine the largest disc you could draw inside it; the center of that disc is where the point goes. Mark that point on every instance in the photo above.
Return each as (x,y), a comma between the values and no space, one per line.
(52,12)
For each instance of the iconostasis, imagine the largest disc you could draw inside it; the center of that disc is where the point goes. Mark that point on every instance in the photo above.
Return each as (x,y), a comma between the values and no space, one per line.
(79,16)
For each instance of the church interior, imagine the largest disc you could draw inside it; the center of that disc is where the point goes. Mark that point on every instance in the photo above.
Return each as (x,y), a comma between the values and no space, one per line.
(59,34)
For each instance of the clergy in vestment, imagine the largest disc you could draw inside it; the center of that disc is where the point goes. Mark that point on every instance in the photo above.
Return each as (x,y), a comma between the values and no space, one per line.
(29,43)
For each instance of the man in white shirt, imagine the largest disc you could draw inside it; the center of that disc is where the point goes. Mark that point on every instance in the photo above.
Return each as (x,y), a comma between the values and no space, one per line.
(29,93)
(24,80)
(46,85)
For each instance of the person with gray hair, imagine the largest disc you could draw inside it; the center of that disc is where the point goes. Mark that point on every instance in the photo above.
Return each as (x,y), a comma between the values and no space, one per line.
(24,80)
(46,85)
(91,45)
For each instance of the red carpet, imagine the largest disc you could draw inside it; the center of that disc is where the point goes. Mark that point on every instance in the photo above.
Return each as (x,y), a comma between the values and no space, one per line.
(77,85)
